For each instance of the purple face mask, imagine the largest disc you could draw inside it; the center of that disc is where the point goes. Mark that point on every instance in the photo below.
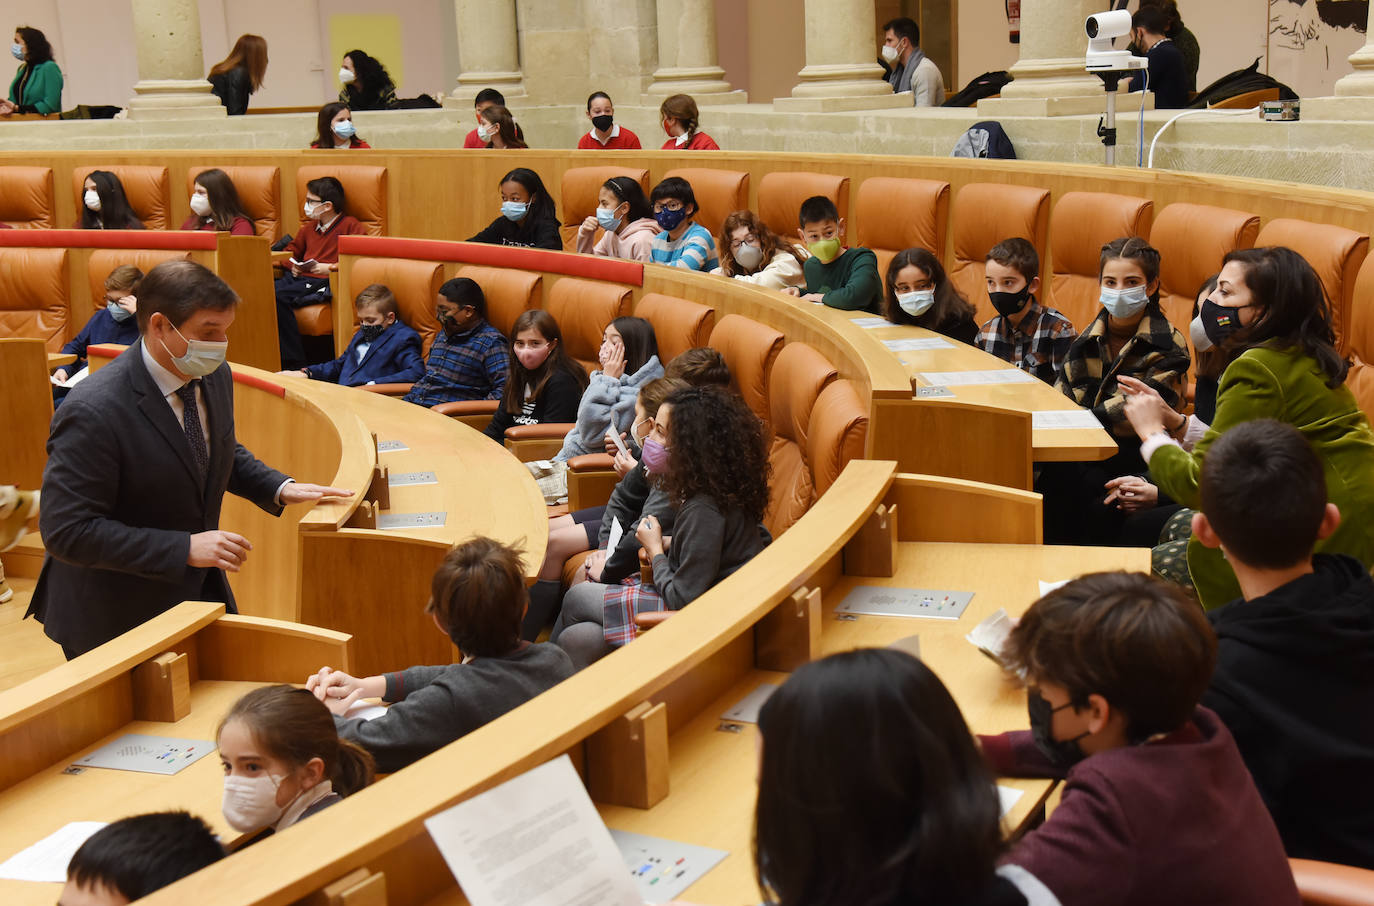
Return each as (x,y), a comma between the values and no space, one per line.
(655,457)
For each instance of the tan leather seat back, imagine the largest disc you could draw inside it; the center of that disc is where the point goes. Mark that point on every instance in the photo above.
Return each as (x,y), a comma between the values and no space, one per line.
(414,283)
(799,375)
(35,300)
(364,193)
(984,215)
(147,188)
(579,190)
(781,196)
(749,348)
(1360,339)
(1192,239)
(836,434)
(582,309)
(26,198)
(259,191)
(509,292)
(719,193)
(1334,252)
(1080,224)
(896,214)
(679,325)
(102,261)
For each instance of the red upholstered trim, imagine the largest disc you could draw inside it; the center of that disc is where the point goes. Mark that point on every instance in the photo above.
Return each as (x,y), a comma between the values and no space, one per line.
(104,351)
(572,265)
(251,380)
(109,239)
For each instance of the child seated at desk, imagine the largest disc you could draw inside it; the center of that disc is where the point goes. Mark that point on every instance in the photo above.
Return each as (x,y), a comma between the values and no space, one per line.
(684,242)
(114,323)
(383,351)
(130,858)
(468,358)
(919,293)
(1031,336)
(284,761)
(478,599)
(544,383)
(836,275)
(1157,806)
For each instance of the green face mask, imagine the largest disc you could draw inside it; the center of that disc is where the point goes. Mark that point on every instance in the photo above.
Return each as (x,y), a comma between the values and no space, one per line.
(827,250)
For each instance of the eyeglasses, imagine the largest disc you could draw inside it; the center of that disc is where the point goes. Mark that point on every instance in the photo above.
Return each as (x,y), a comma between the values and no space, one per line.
(660,207)
(751,239)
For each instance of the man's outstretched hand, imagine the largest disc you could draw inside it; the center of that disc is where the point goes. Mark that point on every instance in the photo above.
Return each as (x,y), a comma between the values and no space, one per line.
(295,492)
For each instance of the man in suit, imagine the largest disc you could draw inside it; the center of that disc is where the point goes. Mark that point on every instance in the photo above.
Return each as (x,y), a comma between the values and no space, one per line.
(139,458)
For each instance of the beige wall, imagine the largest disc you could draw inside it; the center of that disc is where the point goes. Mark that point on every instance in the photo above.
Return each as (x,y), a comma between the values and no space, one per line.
(777,48)
(983,43)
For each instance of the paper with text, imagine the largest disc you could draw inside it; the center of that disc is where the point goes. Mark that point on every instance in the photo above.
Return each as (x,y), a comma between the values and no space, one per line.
(871,323)
(916,344)
(47,859)
(968,378)
(1063,419)
(617,531)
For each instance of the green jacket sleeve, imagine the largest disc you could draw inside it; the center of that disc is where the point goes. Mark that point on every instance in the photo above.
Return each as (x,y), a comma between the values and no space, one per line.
(44,91)
(863,288)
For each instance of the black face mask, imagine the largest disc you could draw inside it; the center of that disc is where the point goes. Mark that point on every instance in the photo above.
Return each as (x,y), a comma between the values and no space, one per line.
(449,324)
(371,332)
(1218,321)
(603,122)
(1062,753)
(1010,303)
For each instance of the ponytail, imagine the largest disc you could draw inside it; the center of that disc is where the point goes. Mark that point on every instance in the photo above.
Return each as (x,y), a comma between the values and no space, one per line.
(354,768)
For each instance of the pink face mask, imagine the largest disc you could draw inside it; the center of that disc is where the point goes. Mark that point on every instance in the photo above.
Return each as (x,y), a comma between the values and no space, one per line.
(531,357)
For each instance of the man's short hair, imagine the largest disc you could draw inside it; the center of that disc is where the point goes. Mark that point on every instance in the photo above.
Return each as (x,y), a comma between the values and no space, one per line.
(1151,18)
(479,595)
(180,288)
(1137,642)
(329,189)
(904,27)
(378,296)
(462,291)
(700,366)
(136,856)
(1264,492)
(489,96)
(817,209)
(1017,254)
(123,279)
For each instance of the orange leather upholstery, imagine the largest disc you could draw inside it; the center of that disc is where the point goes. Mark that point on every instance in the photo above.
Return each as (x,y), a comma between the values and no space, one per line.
(679,325)
(414,283)
(259,190)
(896,214)
(1360,339)
(582,309)
(102,261)
(837,433)
(1327,884)
(508,292)
(148,189)
(35,298)
(984,215)
(799,375)
(1080,224)
(749,349)
(580,188)
(781,196)
(719,193)
(26,198)
(1335,253)
(364,192)
(1192,239)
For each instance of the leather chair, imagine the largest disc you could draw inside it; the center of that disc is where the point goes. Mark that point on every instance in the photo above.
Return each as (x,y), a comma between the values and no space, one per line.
(781,196)
(35,298)
(1328,884)
(415,284)
(1080,224)
(26,198)
(1360,339)
(579,190)
(365,197)
(800,373)
(582,309)
(509,292)
(1192,239)
(837,433)
(679,325)
(719,193)
(1334,252)
(148,189)
(102,261)
(750,349)
(896,214)
(259,190)
(984,215)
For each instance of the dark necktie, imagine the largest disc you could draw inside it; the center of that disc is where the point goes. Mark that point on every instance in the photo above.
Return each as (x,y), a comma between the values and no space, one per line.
(191,421)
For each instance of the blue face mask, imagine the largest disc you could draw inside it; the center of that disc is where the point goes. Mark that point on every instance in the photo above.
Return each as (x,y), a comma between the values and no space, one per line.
(17,50)
(606,219)
(1125,303)
(514,210)
(117,312)
(345,129)
(671,220)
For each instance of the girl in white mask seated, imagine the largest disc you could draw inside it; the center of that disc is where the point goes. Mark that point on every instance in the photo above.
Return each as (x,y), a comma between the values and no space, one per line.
(284,761)
(751,252)
(918,292)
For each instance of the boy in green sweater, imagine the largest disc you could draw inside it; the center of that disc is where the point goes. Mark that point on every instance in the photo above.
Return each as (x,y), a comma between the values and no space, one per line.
(838,276)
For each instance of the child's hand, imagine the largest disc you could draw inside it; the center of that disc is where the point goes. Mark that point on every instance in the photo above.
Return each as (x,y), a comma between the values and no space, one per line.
(650,536)
(589,225)
(623,463)
(59,375)
(791,291)
(611,447)
(593,566)
(813,297)
(336,689)
(320,269)
(1131,493)
(613,361)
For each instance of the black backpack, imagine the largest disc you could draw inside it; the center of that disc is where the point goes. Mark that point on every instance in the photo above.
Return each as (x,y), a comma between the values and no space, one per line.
(985,86)
(1239,82)
(985,139)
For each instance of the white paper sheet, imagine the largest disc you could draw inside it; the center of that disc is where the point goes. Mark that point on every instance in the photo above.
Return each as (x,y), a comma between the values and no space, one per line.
(989,635)
(746,710)
(663,869)
(1063,419)
(871,323)
(74,379)
(617,532)
(47,859)
(535,840)
(148,754)
(966,378)
(915,344)
(1009,797)
(1047,587)
(366,710)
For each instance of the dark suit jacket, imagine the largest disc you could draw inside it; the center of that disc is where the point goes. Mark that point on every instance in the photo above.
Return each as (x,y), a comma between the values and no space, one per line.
(122,497)
(393,358)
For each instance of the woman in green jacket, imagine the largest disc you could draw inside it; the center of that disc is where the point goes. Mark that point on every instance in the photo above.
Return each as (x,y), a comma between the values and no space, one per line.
(1270,317)
(37,86)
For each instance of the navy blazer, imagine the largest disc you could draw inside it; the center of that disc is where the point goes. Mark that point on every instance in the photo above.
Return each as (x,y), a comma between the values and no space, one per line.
(122,497)
(101,328)
(393,358)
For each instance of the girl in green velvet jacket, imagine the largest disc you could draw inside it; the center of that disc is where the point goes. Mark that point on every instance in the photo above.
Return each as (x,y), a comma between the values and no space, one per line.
(37,85)
(1270,317)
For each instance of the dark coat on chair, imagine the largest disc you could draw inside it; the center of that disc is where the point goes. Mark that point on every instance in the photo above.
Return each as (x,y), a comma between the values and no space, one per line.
(393,358)
(122,497)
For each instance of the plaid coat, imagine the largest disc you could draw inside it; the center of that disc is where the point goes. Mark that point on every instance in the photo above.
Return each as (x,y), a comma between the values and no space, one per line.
(1155,354)
(1039,344)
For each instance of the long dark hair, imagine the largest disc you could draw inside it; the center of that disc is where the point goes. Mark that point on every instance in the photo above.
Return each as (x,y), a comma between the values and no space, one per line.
(769,242)
(224,199)
(541,202)
(1296,309)
(504,121)
(324,131)
(250,52)
(950,305)
(626,189)
(518,377)
(871,790)
(115,212)
(641,344)
(370,82)
(36,47)
(717,449)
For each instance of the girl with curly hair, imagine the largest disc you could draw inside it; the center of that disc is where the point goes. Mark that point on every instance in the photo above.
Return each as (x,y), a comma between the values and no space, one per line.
(751,252)
(707,451)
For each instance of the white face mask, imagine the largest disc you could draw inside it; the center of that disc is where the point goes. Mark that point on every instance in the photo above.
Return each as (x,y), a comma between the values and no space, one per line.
(92,199)
(202,356)
(200,205)
(311,210)
(917,303)
(345,75)
(749,256)
(1198,334)
(485,132)
(250,803)
(890,53)
(1124,303)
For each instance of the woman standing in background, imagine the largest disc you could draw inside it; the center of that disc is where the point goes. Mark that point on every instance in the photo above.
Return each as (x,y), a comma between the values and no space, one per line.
(37,85)
(240,74)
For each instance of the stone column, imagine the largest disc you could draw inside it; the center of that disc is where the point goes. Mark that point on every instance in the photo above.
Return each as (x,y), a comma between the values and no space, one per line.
(841,72)
(1354,98)
(171,73)
(687,59)
(488,50)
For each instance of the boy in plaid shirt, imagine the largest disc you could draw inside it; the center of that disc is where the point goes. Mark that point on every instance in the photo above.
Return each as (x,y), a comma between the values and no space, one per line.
(469,358)
(1031,336)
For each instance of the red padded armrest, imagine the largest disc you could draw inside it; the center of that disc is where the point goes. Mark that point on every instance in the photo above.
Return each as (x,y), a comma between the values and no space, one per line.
(592,462)
(388,389)
(545,431)
(467,407)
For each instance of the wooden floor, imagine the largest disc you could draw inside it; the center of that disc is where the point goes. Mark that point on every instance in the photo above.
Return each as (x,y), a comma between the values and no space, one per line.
(27,652)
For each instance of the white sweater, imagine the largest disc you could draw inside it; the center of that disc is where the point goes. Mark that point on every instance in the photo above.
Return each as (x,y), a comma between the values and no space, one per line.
(783,271)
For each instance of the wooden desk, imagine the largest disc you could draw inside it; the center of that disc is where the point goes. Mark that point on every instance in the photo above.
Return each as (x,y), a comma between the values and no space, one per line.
(58,360)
